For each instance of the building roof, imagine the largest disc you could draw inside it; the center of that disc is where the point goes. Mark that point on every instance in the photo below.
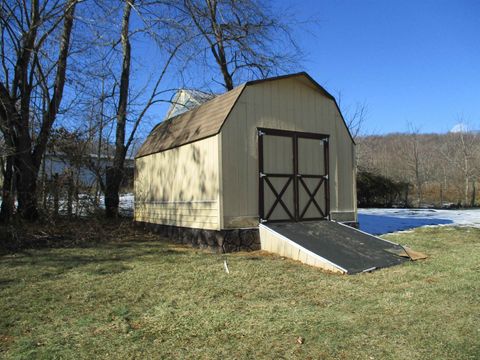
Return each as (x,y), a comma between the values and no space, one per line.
(199,123)
(206,120)
(185,100)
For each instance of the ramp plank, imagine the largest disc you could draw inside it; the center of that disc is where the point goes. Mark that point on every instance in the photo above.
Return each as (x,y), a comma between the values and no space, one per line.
(346,247)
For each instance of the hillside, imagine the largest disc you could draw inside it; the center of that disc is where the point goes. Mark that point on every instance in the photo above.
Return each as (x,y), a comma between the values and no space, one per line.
(440,168)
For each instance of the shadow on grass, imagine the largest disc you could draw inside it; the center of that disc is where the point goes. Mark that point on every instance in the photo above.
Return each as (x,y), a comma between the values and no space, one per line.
(19,235)
(92,246)
(102,259)
(7,282)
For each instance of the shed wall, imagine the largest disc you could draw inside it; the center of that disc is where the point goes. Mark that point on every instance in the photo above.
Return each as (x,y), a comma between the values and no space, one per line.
(180,186)
(289,104)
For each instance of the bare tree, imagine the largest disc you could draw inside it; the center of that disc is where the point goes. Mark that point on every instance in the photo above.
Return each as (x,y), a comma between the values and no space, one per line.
(414,160)
(150,16)
(355,116)
(444,168)
(356,119)
(462,154)
(244,38)
(29,76)
(114,175)
(440,167)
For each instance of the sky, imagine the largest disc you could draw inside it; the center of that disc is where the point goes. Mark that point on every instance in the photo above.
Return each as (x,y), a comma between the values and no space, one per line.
(414,63)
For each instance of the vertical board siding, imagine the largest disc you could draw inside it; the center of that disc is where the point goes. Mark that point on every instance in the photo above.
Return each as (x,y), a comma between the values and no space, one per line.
(288,104)
(180,186)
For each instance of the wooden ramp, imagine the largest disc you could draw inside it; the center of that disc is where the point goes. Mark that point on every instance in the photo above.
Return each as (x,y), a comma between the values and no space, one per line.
(330,245)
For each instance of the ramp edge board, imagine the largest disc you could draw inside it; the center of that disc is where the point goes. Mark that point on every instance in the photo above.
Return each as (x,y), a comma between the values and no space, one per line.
(277,243)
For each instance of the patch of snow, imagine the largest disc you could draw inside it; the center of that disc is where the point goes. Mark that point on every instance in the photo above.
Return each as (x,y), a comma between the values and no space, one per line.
(86,204)
(125,206)
(382,221)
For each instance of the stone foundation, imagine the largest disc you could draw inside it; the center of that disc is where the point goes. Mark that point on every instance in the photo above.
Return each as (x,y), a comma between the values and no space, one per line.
(214,240)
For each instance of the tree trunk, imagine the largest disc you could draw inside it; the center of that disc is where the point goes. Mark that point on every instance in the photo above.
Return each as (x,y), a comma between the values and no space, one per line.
(29,152)
(8,192)
(218,48)
(465,192)
(112,198)
(115,173)
(26,182)
(474,193)
(441,194)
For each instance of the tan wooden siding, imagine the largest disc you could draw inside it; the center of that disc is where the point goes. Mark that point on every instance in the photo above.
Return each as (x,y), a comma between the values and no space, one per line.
(275,243)
(180,186)
(289,104)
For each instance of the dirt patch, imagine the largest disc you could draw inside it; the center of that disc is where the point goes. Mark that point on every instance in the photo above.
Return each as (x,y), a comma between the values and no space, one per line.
(6,339)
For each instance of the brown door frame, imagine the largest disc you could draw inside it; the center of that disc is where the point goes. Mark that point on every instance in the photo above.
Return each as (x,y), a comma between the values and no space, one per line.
(296,177)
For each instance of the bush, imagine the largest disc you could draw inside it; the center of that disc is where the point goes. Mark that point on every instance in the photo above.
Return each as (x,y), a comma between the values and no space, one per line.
(374,190)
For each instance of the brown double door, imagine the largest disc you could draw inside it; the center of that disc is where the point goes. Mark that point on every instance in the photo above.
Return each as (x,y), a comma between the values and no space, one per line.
(293,175)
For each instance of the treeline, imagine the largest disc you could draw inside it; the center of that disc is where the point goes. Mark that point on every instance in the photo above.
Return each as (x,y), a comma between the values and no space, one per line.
(413,169)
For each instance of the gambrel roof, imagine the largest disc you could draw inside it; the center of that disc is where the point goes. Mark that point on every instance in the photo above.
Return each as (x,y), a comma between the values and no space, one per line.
(206,120)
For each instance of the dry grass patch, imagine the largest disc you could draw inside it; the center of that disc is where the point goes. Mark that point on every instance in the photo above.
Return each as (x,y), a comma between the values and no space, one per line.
(131,298)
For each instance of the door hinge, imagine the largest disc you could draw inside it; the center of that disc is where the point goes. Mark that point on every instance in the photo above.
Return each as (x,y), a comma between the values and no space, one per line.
(325,177)
(262,221)
(260,133)
(262,175)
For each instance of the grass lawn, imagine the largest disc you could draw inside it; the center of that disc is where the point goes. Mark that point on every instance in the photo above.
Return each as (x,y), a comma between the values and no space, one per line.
(129,295)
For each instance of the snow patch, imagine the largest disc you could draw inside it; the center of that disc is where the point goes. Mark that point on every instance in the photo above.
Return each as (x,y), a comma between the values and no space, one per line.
(382,221)
(125,206)
(86,204)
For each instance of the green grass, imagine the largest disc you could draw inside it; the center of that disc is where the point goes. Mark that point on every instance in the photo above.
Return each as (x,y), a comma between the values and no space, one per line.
(136,297)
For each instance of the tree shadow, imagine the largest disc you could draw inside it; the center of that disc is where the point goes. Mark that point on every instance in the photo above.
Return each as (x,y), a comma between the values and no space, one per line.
(7,282)
(178,187)
(105,259)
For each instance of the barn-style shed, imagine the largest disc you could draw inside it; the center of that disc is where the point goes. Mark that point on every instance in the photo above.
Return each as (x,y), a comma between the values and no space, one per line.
(267,151)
